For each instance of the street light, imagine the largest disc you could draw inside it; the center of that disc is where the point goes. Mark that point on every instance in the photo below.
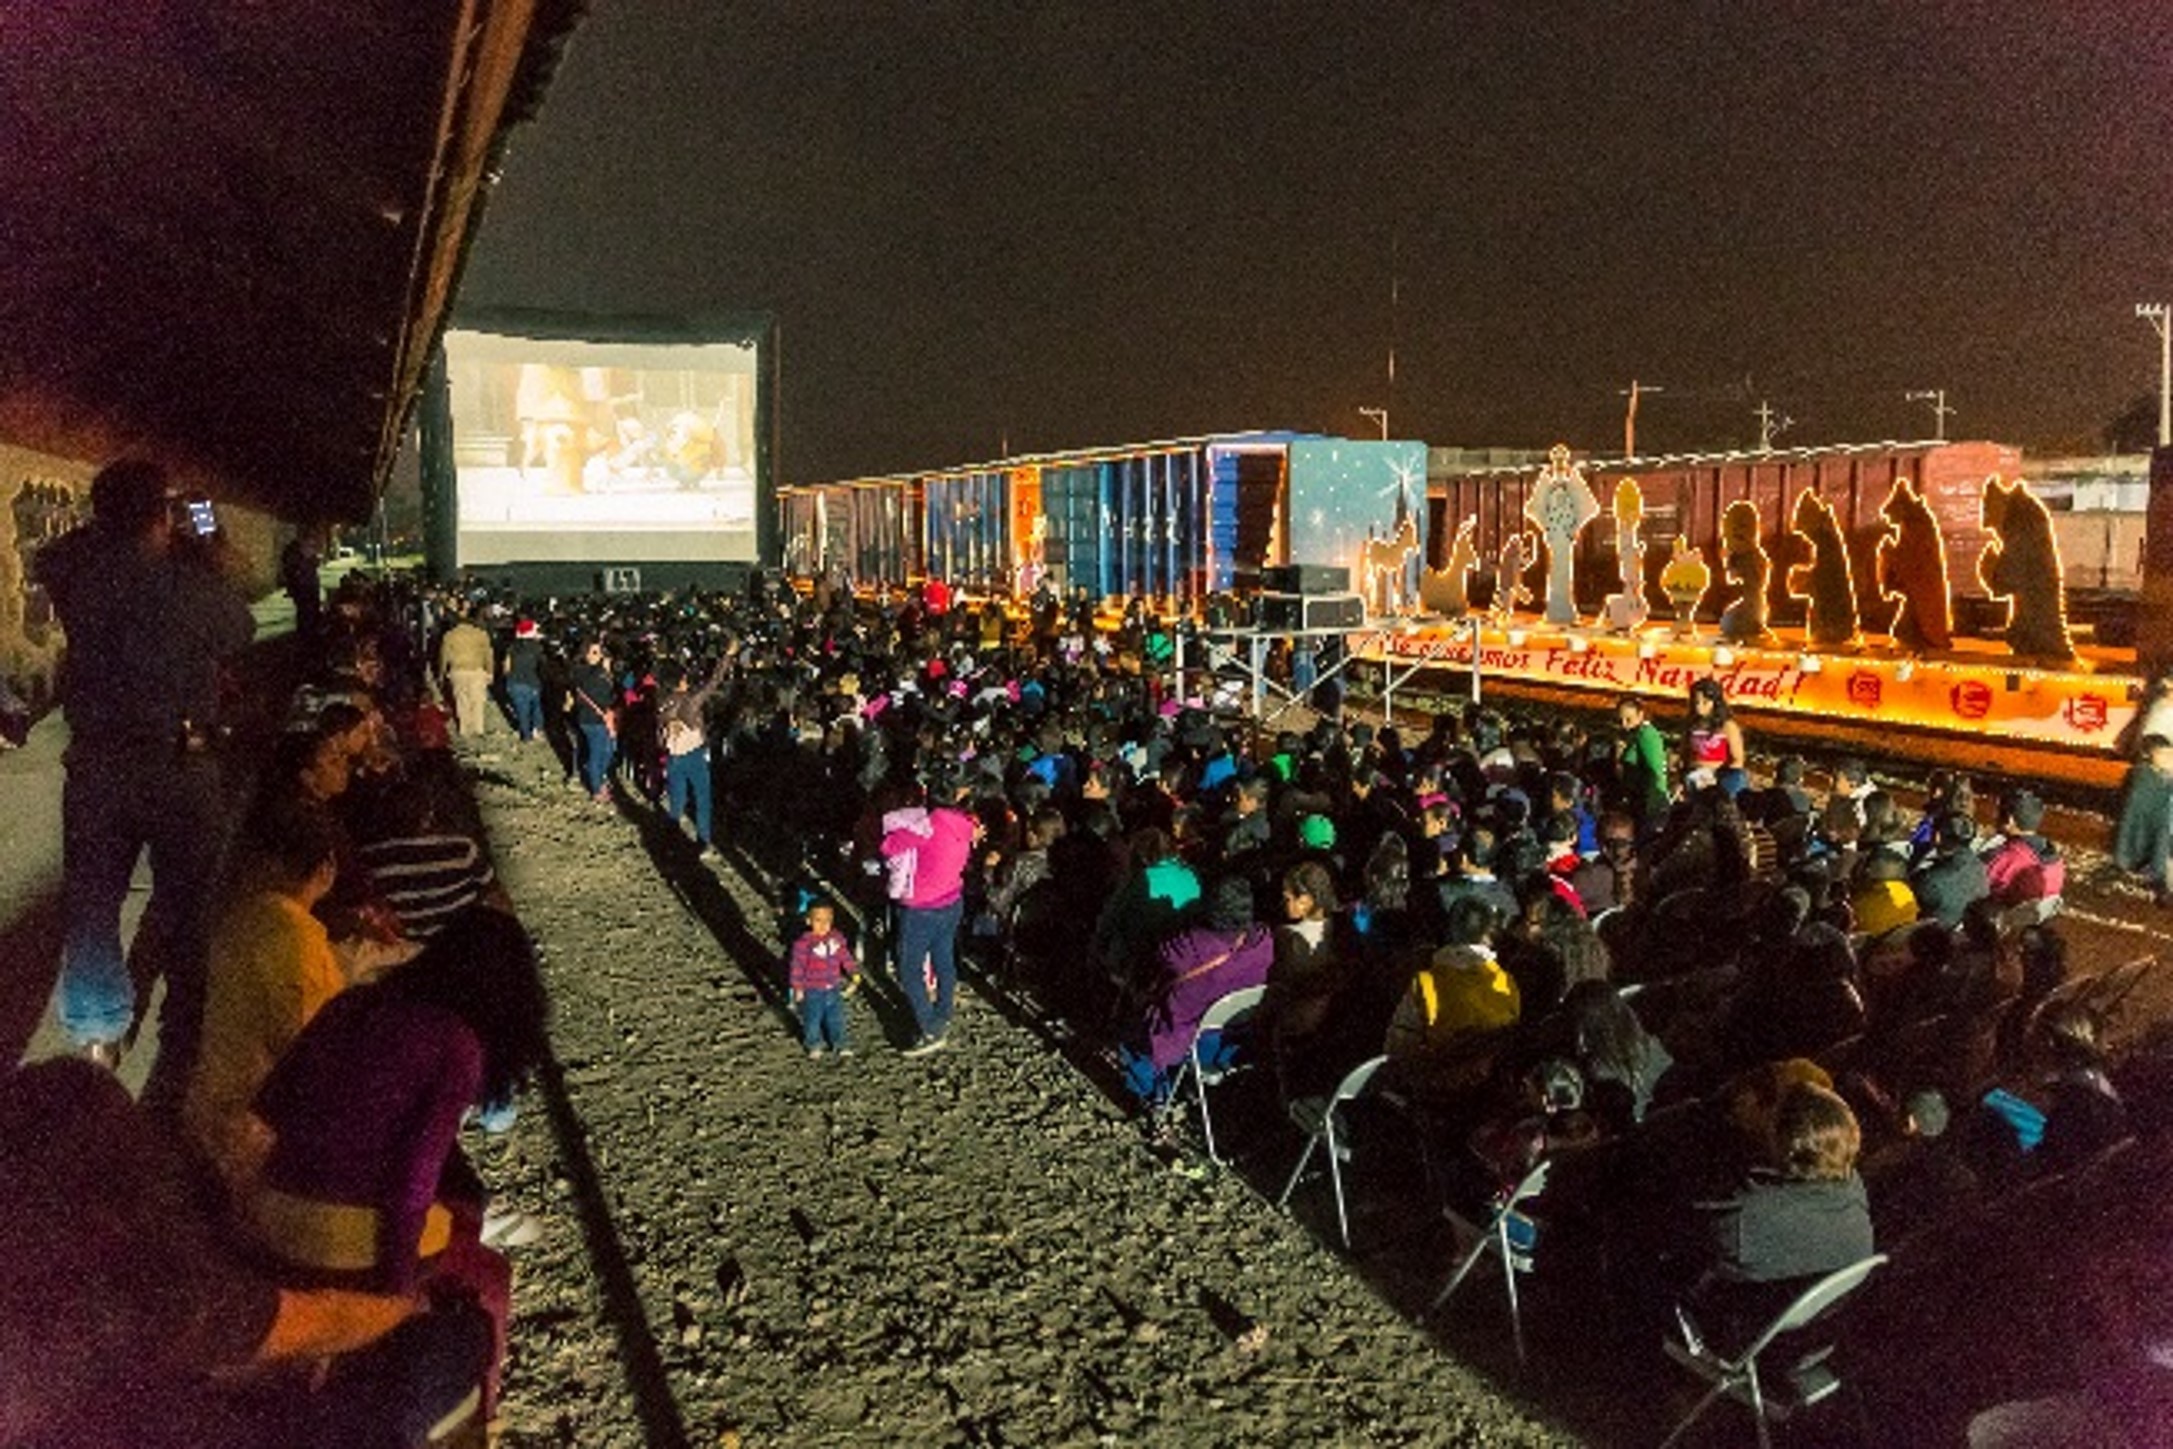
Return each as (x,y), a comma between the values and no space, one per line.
(1379,415)
(2160,318)
(1937,397)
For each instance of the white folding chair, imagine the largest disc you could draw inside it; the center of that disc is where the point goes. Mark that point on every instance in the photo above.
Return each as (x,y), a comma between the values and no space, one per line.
(1218,1017)
(1809,1380)
(1500,1236)
(1315,1117)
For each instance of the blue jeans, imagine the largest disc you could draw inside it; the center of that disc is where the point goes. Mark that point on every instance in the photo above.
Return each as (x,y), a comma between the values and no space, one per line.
(115,804)
(1151,1084)
(929,939)
(684,775)
(597,749)
(822,1019)
(527,703)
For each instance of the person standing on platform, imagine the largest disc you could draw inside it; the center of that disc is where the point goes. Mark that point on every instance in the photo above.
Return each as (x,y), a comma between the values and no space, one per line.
(1641,764)
(466,666)
(151,612)
(1714,743)
(524,679)
(299,563)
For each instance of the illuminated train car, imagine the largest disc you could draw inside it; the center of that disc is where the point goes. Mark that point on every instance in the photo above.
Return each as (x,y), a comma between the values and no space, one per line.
(1171,520)
(870,528)
(1685,495)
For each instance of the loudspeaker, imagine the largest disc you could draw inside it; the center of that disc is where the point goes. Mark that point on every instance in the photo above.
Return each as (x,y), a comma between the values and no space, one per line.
(1305,579)
(1312,611)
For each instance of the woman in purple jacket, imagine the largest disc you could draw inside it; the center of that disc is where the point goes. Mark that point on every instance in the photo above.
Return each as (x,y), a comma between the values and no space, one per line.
(365,1186)
(1227,952)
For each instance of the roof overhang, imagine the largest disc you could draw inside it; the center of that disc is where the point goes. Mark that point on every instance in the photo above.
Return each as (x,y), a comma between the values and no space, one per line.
(233,231)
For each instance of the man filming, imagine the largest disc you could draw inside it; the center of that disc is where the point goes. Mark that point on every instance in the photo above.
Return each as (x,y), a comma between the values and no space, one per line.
(145,594)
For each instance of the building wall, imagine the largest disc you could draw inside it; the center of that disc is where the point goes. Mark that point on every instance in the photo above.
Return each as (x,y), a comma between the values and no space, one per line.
(41,497)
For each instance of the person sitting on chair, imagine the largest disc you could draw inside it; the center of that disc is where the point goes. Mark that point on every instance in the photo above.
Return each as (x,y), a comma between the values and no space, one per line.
(1792,1220)
(1226,952)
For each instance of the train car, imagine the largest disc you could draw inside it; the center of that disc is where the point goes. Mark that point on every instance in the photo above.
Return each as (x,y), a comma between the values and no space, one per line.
(1685,495)
(869,528)
(1174,520)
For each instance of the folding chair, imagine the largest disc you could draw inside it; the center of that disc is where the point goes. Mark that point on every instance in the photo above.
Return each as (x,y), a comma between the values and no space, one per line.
(1808,1380)
(1315,1117)
(1502,1235)
(1217,1018)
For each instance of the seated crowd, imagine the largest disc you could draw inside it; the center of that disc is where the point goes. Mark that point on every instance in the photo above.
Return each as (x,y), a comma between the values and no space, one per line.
(1749,1023)
(301,1253)
(1712,992)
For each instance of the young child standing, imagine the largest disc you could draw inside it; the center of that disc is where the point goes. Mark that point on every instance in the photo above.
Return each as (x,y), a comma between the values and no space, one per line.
(822,966)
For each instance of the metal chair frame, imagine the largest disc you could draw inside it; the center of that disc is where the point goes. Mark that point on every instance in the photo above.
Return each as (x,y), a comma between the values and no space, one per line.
(1220,1013)
(1494,1238)
(1738,1377)
(1315,1116)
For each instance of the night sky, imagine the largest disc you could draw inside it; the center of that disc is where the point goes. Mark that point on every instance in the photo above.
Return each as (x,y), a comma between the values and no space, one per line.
(1053,224)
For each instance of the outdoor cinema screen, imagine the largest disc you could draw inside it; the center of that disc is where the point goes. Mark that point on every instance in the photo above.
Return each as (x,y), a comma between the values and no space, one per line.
(571,451)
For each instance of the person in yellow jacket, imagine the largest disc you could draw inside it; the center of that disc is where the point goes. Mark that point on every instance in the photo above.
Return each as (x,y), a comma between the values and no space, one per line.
(272,969)
(1437,1041)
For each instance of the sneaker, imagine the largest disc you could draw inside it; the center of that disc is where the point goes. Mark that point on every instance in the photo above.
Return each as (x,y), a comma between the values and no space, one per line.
(510,1228)
(814,1054)
(925,1045)
(105,1054)
(844,1052)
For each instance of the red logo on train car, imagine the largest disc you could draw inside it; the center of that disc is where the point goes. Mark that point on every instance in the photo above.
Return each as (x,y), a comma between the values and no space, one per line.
(2087,712)
(1972,699)
(1864,689)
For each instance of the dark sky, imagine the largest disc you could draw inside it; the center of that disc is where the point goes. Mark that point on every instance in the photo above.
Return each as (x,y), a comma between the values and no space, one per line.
(1061,224)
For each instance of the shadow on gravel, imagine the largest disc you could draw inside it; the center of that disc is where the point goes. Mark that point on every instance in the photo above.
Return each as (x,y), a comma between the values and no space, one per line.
(699,889)
(663,1426)
(29,965)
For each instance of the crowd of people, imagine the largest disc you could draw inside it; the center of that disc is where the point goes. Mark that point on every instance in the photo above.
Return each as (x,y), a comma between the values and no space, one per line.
(1721,994)
(283,1243)
(1759,1027)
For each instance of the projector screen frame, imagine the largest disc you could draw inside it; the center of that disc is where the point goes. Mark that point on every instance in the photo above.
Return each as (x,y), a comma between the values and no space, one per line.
(756,331)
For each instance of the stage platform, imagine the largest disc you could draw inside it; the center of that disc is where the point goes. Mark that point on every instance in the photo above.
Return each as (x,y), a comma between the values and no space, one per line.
(1975,706)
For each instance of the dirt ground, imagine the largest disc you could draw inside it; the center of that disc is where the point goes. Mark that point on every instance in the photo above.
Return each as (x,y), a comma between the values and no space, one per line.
(973,1248)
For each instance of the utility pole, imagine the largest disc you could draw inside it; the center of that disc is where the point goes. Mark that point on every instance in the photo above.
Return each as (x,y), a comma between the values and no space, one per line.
(2160,318)
(1771,425)
(1395,304)
(1937,397)
(1629,416)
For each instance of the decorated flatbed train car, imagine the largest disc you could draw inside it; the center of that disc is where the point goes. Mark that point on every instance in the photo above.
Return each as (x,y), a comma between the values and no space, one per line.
(1686,496)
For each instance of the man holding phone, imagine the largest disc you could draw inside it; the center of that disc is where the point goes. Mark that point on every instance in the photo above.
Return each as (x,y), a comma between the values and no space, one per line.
(144,594)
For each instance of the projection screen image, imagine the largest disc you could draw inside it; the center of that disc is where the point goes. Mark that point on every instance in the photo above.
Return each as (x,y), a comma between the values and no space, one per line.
(609,452)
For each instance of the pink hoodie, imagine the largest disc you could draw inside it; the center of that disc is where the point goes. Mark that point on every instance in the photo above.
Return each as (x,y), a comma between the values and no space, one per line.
(925,853)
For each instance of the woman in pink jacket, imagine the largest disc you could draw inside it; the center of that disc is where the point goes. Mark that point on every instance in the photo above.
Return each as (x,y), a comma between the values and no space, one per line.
(925,852)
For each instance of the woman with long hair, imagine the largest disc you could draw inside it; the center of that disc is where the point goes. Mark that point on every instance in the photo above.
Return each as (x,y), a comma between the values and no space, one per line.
(1713,742)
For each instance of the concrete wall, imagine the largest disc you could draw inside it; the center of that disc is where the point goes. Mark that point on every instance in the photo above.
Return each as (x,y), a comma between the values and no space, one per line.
(2102,550)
